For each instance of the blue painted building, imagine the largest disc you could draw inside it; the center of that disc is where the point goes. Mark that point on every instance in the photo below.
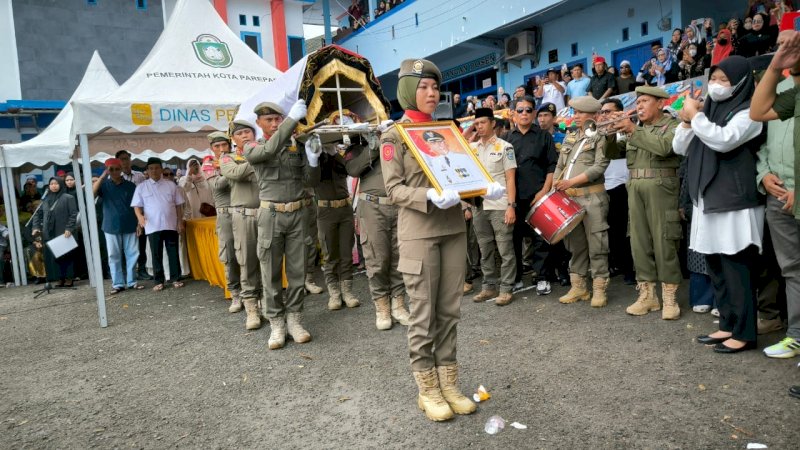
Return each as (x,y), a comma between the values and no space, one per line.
(481,45)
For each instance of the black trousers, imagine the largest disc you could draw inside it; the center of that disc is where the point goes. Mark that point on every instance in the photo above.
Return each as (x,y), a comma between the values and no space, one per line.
(540,247)
(158,241)
(142,262)
(619,256)
(734,280)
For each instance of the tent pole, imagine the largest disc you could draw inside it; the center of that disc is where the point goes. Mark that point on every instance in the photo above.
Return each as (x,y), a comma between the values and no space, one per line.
(98,273)
(12,241)
(76,169)
(17,229)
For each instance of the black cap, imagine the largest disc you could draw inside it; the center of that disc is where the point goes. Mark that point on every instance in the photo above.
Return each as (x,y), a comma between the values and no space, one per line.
(432,136)
(154,160)
(552,69)
(547,107)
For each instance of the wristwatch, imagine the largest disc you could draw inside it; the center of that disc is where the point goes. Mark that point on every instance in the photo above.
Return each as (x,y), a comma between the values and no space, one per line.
(513,205)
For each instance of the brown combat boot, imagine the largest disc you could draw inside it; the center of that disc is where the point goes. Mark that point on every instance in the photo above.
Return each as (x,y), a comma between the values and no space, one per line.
(334,297)
(383,318)
(253,321)
(647,300)
(484,295)
(671,309)
(599,286)
(448,384)
(236,302)
(430,398)
(504,299)
(295,328)
(347,294)
(467,287)
(277,334)
(311,286)
(577,290)
(399,311)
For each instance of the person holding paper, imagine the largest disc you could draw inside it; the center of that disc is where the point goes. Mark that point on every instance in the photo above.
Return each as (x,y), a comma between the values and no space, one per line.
(57,216)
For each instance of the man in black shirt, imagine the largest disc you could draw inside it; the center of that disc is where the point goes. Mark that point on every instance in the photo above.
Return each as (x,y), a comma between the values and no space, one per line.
(603,83)
(459,109)
(536,161)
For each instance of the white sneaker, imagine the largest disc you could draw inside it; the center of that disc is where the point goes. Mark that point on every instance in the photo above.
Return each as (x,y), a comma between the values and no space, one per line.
(715,312)
(518,285)
(543,287)
(701,309)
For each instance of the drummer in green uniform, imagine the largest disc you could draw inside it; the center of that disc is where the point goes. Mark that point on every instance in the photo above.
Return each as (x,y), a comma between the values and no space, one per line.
(581,164)
(655,227)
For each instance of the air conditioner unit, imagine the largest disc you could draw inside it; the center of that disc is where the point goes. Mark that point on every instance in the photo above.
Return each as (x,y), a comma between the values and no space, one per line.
(520,44)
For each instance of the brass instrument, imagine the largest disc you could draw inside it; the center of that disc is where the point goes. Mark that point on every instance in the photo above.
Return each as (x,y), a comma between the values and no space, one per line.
(590,127)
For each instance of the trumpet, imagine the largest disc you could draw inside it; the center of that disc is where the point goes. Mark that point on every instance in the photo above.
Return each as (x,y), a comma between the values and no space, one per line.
(591,127)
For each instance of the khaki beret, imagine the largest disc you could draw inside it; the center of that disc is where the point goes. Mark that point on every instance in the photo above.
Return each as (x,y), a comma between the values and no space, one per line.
(238,124)
(218,136)
(651,91)
(265,108)
(587,104)
(420,68)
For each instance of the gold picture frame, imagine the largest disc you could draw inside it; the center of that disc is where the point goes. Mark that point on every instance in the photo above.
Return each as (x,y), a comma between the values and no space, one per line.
(438,148)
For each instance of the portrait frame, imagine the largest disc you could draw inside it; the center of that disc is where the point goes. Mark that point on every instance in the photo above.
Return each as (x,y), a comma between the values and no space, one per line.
(468,176)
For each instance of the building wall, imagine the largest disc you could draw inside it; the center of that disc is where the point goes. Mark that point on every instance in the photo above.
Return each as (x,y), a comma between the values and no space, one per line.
(56,39)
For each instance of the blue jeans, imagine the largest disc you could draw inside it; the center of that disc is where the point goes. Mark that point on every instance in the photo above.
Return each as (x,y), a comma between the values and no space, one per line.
(701,290)
(123,252)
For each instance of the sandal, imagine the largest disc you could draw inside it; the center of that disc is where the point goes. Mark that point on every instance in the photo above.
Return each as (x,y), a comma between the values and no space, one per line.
(177,284)
(159,287)
(114,291)
(136,287)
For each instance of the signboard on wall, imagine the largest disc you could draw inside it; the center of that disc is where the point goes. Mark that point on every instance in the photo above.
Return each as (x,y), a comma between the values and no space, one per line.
(469,67)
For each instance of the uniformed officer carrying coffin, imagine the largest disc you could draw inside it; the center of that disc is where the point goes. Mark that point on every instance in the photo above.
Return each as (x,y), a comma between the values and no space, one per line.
(655,224)
(283,172)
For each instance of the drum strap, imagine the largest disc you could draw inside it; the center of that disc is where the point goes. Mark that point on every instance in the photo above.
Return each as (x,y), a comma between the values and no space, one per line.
(575,158)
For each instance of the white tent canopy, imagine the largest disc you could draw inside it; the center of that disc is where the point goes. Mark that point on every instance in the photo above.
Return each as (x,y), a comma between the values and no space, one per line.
(56,143)
(191,83)
(193,79)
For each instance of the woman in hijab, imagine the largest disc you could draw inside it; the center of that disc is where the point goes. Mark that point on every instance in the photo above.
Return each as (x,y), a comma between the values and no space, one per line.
(80,268)
(664,70)
(720,143)
(69,182)
(57,216)
(432,243)
(723,49)
(761,38)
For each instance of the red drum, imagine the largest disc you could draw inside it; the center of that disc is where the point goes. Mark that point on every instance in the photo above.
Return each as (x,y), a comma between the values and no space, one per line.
(554,216)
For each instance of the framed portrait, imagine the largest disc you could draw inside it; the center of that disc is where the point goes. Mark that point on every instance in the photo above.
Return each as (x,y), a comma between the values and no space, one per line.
(446,157)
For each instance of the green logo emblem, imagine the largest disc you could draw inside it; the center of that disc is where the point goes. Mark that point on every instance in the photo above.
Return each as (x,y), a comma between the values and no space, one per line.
(212,52)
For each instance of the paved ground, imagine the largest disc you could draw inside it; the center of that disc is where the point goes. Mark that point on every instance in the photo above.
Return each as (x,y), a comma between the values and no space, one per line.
(174,369)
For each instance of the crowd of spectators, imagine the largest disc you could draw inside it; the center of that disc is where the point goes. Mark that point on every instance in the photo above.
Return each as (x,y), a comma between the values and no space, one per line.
(358,14)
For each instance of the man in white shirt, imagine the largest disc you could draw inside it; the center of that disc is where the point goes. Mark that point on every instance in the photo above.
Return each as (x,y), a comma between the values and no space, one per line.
(159,209)
(551,90)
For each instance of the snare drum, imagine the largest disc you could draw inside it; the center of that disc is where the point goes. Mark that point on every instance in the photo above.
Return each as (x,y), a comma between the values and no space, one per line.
(554,216)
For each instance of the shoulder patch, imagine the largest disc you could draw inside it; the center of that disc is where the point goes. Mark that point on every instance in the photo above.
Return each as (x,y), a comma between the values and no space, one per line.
(387,151)
(510,153)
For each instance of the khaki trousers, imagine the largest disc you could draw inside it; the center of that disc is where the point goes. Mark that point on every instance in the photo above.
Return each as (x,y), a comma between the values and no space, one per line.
(433,270)
(245,231)
(588,242)
(655,229)
(378,227)
(337,237)
(282,234)
(495,237)
(227,251)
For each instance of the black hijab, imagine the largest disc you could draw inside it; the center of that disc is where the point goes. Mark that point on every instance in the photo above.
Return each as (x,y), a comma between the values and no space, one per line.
(703,162)
(52,197)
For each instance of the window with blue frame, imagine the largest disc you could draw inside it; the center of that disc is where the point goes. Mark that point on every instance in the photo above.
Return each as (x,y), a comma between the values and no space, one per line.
(574,49)
(252,40)
(626,34)
(141,4)
(297,48)
(256,21)
(91,2)
(242,19)
(645,29)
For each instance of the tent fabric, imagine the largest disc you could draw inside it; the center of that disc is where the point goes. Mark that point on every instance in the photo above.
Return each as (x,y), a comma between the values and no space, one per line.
(56,143)
(193,79)
(165,156)
(315,71)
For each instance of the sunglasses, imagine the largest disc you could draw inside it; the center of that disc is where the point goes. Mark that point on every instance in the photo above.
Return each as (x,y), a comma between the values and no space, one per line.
(524,110)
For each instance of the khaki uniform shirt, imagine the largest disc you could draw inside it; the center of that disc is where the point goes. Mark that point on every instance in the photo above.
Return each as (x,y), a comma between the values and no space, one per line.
(650,146)
(586,155)
(281,168)
(220,190)
(497,156)
(362,162)
(407,186)
(242,179)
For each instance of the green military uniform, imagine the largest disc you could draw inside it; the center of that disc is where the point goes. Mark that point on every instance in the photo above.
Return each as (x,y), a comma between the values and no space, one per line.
(495,237)
(336,229)
(221,191)
(655,224)
(588,242)
(311,243)
(283,173)
(244,208)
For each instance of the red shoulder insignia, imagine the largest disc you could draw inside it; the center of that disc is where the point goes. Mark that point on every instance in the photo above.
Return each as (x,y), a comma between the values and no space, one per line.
(387,151)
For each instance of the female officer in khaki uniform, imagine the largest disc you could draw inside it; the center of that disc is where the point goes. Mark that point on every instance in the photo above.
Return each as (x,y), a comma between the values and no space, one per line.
(433,245)
(581,164)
